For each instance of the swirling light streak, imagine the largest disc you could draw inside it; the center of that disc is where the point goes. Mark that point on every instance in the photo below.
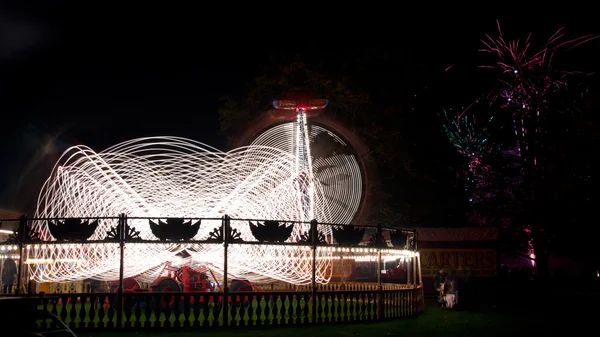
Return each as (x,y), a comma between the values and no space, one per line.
(338,174)
(161,177)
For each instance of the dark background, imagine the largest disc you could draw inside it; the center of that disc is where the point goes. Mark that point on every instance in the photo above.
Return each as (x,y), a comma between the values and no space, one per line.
(103,72)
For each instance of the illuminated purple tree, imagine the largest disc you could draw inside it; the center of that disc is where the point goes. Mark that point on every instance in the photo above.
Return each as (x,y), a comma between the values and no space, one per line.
(530,88)
(527,84)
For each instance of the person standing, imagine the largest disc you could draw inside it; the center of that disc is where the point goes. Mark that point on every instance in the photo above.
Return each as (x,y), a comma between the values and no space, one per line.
(439,278)
(9,274)
(449,293)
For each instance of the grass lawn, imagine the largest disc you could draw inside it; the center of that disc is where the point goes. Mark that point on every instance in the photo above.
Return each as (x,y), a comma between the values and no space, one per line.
(486,321)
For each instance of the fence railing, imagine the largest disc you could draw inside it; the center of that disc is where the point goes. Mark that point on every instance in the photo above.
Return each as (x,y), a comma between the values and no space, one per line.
(311,303)
(122,228)
(153,311)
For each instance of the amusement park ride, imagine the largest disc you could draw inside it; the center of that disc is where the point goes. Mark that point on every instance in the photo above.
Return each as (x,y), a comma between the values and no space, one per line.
(189,279)
(304,169)
(301,201)
(296,106)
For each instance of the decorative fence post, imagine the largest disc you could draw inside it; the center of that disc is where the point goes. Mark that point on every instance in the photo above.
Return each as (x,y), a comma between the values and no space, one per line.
(225,230)
(122,225)
(408,270)
(314,237)
(416,248)
(21,238)
(414,260)
(415,243)
(420,273)
(379,268)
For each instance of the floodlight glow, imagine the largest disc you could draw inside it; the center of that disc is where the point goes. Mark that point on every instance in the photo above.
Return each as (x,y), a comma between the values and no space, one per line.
(162,177)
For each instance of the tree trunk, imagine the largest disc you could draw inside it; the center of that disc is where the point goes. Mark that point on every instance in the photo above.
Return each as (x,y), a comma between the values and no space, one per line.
(540,247)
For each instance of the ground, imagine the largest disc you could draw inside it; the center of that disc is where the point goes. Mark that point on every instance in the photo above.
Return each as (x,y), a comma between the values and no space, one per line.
(532,319)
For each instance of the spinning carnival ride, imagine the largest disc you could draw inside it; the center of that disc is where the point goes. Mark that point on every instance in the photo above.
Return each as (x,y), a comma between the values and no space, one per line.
(162,177)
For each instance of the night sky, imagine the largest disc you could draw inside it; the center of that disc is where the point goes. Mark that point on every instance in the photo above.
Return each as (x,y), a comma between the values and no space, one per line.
(98,75)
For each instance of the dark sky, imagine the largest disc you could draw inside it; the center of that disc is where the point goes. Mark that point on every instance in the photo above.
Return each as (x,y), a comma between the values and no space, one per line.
(75,73)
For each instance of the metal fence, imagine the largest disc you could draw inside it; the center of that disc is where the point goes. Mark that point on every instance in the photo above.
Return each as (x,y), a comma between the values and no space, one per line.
(344,301)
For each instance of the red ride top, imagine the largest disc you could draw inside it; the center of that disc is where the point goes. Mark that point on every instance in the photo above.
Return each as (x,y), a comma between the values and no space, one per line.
(296,104)
(287,108)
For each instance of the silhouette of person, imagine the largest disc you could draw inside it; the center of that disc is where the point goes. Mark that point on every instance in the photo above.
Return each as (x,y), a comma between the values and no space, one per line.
(439,278)
(9,274)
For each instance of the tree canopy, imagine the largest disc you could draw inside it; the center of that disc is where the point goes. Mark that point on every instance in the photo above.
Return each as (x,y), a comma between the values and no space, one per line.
(546,107)
(385,103)
(486,173)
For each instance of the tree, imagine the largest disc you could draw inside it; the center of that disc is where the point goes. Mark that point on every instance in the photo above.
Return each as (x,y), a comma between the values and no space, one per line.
(366,94)
(489,171)
(491,175)
(571,164)
(533,89)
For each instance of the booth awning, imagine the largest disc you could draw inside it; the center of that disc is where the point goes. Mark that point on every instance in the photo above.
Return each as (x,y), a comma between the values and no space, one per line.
(457,234)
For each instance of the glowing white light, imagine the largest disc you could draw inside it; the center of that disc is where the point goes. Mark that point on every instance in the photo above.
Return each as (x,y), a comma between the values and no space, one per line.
(338,176)
(175,177)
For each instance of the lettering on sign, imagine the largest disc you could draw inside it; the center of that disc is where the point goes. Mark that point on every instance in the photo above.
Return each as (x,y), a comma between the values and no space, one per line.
(479,262)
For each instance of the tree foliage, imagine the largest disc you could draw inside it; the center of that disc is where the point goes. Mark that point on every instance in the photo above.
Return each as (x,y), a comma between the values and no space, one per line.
(381,101)
(550,146)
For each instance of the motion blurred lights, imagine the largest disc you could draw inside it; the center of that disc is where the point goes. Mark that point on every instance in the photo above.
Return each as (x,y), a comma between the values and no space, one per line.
(338,175)
(160,177)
